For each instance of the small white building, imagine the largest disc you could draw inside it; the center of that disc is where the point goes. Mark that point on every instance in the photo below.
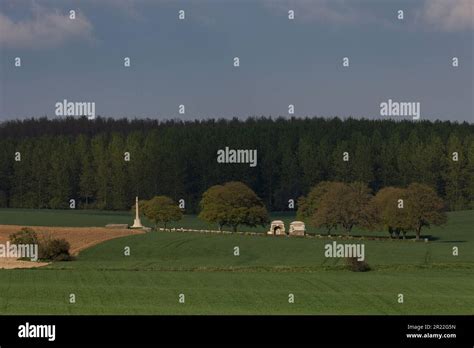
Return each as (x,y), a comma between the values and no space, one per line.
(277,228)
(297,228)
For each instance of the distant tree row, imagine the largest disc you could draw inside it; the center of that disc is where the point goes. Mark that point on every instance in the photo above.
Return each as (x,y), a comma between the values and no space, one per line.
(329,205)
(105,163)
(333,205)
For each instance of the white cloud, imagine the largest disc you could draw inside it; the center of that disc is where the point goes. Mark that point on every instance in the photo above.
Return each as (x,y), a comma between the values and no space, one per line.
(44,29)
(449,15)
(445,15)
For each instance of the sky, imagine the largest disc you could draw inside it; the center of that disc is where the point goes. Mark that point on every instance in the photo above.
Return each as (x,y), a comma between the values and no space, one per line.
(282,61)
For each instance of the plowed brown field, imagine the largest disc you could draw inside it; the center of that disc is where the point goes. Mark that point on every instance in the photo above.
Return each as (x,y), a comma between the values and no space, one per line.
(78,237)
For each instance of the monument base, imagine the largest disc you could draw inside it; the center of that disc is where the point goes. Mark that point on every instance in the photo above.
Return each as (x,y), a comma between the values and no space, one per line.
(137,224)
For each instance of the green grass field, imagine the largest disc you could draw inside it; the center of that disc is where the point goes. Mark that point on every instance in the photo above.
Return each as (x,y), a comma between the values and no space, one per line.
(163,265)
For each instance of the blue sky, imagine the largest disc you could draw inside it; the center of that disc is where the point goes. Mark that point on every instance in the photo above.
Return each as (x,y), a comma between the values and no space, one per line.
(283,61)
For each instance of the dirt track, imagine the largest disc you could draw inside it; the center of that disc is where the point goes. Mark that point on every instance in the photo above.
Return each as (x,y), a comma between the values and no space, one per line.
(78,237)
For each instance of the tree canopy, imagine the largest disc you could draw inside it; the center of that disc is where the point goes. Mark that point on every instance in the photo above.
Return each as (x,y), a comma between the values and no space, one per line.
(339,205)
(424,208)
(233,204)
(161,209)
(81,159)
(333,205)
(391,213)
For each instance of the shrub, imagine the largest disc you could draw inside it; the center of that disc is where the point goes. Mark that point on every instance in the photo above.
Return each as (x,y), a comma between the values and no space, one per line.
(355,265)
(48,248)
(54,250)
(24,236)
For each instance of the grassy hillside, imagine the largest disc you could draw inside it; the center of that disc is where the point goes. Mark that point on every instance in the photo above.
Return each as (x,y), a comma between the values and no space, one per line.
(203,267)
(176,250)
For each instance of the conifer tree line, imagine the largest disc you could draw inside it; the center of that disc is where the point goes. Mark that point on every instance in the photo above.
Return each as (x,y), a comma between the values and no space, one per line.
(44,163)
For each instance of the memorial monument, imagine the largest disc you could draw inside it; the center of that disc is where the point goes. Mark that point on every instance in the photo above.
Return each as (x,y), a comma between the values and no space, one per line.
(137,223)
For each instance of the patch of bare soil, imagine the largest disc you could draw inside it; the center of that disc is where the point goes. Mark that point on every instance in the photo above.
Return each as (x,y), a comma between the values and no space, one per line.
(11,263)
(78,237)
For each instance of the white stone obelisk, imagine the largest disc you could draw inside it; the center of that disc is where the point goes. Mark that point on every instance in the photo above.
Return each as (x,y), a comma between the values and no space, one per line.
(137,223)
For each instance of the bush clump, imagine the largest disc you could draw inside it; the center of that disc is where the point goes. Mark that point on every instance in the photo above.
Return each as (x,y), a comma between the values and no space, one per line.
(49,249)
(355,265)
(24,236)
(54,250)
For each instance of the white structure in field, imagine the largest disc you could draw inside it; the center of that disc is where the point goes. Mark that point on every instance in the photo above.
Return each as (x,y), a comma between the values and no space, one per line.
(277,228)
(297,228)
(137,223)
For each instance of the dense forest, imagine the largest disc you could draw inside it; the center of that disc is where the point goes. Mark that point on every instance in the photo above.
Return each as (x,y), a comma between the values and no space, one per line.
(44,163)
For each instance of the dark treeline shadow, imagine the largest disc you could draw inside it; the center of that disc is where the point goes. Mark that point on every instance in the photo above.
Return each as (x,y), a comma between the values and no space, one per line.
(84,160)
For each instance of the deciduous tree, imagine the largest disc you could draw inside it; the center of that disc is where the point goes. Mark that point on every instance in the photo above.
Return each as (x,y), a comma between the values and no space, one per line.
(233,204)
(161,209)
(391,213)
(424,208)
